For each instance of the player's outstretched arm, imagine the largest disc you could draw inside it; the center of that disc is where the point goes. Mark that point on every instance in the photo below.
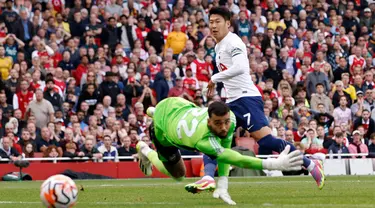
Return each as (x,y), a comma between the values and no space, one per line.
(285,162)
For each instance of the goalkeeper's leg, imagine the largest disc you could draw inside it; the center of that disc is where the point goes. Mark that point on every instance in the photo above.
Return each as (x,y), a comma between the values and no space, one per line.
(167,160)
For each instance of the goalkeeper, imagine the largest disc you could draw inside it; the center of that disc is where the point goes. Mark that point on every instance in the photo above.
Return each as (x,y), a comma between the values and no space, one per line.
(178,123)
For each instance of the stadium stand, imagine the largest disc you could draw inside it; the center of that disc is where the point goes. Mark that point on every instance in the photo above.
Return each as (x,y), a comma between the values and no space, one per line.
(78,76)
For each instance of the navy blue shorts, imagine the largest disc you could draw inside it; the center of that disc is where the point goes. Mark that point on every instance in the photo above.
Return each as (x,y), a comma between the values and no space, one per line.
(249,113)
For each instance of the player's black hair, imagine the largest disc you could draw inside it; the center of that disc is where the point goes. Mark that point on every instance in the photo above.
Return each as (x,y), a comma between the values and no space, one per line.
(218,108)
(222,11)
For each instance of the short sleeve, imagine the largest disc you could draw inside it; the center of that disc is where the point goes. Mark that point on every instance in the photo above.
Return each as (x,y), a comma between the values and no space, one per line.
(50,107)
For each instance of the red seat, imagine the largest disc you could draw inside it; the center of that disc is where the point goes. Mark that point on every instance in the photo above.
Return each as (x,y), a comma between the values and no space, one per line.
(38,154)
(248,143)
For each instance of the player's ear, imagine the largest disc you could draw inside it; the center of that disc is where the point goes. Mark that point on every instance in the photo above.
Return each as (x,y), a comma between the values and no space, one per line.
(228,23)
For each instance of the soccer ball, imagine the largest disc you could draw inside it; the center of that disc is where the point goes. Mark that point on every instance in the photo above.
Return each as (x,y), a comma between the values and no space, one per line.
(59,191)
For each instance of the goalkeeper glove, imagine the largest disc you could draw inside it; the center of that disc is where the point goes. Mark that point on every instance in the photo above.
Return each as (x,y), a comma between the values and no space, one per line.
(222,191)
(285,161)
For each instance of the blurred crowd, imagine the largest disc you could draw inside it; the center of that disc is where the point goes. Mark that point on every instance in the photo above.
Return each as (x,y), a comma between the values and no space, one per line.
(78,75)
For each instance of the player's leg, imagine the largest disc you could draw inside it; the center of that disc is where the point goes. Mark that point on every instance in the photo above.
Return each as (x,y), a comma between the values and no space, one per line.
(167,160)
(207,182)
(249,111)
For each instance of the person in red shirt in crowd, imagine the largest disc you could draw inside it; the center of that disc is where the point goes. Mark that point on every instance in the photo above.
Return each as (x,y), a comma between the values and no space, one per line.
(8,151)
(142,31)
(154,67)
(22,99)
(299,133)
(179,90)
(45,53)
(356,59)
(59,79)
(9,132)
(119,52)
(36,82)
(81,69)
(189,82)
(56,57)
(201,69)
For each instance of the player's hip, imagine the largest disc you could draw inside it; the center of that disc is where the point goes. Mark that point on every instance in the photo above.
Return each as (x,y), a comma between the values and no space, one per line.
(244,96)
(249,112)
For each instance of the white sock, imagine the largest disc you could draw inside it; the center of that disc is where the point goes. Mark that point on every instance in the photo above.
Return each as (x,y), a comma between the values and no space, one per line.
(207,178)
(311,166)
(145,150)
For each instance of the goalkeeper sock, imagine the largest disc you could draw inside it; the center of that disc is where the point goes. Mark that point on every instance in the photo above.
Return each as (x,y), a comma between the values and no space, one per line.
(154,159)
(209,166)
(275,144)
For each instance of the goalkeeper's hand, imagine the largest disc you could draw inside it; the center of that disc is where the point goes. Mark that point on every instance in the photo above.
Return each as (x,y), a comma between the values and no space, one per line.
(286,161)
(222,191)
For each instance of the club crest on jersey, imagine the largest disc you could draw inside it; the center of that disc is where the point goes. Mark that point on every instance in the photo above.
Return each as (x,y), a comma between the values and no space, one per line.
(236,51)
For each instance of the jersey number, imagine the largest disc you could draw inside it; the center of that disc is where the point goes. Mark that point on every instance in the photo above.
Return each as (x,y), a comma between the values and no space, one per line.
(248,116)
(223,67)
(183,125)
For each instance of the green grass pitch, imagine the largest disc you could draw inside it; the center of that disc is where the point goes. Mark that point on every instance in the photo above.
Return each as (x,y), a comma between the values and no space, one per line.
(293,192)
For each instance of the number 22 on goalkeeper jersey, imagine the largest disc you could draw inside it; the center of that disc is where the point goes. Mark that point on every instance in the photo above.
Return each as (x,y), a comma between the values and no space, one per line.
(192,129)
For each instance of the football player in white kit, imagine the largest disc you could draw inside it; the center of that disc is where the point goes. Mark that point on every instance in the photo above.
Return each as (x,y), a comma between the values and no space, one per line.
(244,99)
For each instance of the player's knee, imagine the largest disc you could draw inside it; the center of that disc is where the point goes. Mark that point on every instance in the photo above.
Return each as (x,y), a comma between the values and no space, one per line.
(179,170)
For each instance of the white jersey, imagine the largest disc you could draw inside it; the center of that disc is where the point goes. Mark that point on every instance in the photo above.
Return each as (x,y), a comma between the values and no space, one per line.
(233,64)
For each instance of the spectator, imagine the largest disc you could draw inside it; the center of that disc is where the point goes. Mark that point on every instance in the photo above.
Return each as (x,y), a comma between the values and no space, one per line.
(70,150)
(176,40)
(357,146)
(365,121)
(68,138)
(358,107)
(42,109)
(314,78)
(52,96)
(24,29)
(289,136)
(126,149)
(371,147)
(107,149)
(127,34)
(109,87)
(342,114)
(28,150)
(89,96)
(26,139)
(320,97)
(132,90)
(179,90)
(88,150)
(311,139)
(51,152)
(163,83)
(45,141)
(273,72)
(7,151)
(338,147)
(155,37)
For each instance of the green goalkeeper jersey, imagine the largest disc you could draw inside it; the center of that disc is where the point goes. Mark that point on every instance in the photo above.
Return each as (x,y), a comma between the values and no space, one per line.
(181,123)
